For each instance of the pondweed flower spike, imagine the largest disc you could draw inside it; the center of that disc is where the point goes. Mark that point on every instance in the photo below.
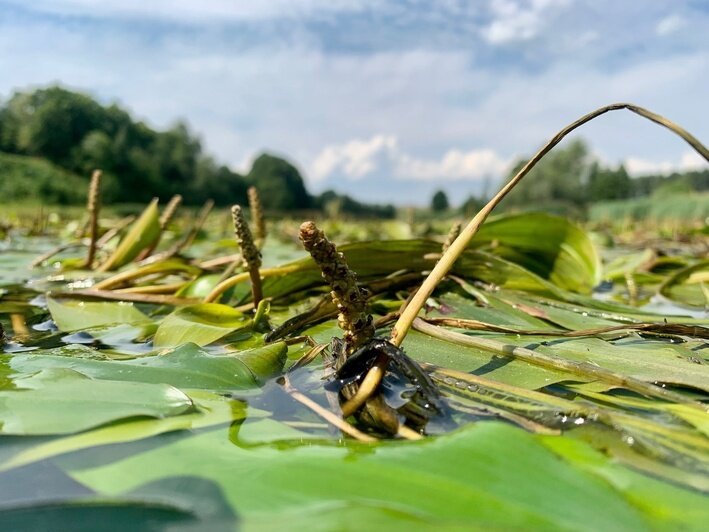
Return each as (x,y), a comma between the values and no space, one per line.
(250,254)
(409,314)
(257,216)
(351,302)
(93,206)
(452,235)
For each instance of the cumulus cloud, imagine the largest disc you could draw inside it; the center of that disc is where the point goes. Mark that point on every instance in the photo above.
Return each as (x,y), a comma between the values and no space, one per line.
(518,20)
(688,161)
(381,156)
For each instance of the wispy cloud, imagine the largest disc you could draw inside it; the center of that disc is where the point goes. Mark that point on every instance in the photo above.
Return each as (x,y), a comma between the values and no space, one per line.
(669,25)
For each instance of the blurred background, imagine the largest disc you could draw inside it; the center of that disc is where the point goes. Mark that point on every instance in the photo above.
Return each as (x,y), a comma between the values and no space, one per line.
(352,105)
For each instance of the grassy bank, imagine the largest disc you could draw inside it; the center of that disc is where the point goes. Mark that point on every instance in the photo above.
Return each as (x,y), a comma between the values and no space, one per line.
(692,207)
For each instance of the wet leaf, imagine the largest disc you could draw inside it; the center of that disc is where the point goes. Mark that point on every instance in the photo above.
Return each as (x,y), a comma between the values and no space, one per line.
(72,315)
(199,324)
(185,367)
(62,401)
(519,481)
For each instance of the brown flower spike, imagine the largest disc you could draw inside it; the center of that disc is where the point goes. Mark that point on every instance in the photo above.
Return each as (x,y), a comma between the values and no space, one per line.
(353,318)
(249,252)
(257,215)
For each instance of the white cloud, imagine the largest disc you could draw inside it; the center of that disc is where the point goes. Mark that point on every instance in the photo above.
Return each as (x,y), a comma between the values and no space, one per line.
(518,20)
(688,161)
(669,25)
(381,156)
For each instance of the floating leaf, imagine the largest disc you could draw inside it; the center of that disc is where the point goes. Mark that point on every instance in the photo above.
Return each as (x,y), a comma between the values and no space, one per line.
(484,476)
(143,233)
(62,401)
(187,366)
(72,315)
(200,324)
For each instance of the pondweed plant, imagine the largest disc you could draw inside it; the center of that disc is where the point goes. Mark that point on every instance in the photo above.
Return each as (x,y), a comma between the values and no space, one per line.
(160,377)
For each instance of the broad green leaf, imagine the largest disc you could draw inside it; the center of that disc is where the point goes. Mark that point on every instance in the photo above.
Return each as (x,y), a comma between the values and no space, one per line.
(187,366)
(62,401)
(211,409)
(200,324)
(72,315)
(550,246)
(689,286)
(483,476)
(143,233)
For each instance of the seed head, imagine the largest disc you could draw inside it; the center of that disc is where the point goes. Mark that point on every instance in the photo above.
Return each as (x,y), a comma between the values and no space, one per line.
(350,300)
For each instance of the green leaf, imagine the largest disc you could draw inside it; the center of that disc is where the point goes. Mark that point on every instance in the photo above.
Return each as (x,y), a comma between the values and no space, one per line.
(565,255)
(212,409)
(483,476)
(200,324)
(71,315)
(689,286)
(143,233)
(62,401)
(187,366)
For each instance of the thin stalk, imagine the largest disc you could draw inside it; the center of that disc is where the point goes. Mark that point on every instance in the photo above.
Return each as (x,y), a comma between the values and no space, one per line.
(120,226)
(409,314)
(225,285)
(142,271)
(257,216)
(93,207)
(407,317)
(324,413)
(111,295)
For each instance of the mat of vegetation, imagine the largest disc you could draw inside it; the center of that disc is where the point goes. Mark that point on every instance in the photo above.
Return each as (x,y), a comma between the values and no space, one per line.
(142,389)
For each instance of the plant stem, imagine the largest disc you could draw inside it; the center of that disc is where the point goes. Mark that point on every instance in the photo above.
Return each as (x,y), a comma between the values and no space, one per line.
(93,206)
(409,314)
(407,317)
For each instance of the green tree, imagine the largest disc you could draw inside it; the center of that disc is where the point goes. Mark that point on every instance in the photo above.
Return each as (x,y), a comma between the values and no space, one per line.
(279,183)
(439,202)
(608,184)
(559,178)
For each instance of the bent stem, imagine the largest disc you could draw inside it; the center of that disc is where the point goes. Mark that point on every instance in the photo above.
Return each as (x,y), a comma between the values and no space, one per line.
(409,314)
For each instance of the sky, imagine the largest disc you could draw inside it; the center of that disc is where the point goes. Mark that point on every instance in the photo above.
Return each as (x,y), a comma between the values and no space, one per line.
(387,101)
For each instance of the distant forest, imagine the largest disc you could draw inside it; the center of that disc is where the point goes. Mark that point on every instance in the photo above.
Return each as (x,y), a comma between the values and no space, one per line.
(52,139)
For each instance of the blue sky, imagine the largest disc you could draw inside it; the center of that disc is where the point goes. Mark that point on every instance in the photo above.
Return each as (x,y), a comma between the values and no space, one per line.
(387,101)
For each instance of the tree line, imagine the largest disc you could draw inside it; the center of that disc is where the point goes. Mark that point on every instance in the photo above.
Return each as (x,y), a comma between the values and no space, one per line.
(569,180)
(68,134)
